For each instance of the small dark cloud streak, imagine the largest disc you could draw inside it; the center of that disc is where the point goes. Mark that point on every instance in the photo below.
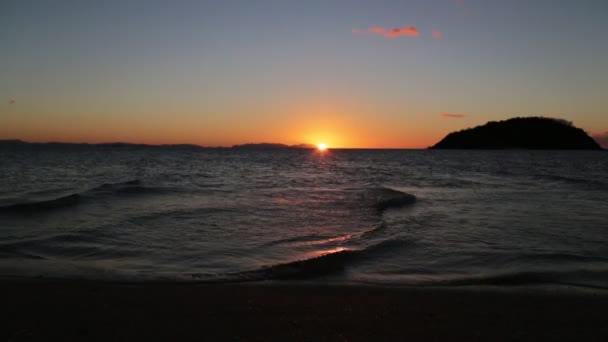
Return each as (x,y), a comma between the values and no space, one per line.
(452,115)
(408,31)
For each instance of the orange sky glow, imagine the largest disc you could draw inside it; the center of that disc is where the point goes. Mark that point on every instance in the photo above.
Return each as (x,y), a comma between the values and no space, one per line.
(329,125)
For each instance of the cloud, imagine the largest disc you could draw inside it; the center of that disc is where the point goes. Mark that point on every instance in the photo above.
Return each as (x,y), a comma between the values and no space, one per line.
(437,35)
(409,31)
(376,29)
(452,115)
(602,139)
(11,101)
(460,3)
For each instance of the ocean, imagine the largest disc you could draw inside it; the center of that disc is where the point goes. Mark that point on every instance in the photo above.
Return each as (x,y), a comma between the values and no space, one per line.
(377,217)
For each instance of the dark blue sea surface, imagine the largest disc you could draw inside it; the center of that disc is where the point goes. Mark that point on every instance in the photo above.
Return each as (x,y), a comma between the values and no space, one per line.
(405,217)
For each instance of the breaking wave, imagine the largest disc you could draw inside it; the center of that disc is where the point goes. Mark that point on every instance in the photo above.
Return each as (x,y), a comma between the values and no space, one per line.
(326,264)
(382,198)
(386,198)
(129,187)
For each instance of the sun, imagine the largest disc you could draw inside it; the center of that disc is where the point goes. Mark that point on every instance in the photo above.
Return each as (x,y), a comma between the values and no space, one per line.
(322,147)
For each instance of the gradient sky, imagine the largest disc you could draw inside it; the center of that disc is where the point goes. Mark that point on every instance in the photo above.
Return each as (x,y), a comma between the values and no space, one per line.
(348,73)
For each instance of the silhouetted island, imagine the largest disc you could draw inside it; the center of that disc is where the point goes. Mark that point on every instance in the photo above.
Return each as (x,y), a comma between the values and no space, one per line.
(521,133)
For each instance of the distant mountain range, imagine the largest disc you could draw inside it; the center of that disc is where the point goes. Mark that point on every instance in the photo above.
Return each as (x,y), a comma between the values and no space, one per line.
(15,143)
(521,133)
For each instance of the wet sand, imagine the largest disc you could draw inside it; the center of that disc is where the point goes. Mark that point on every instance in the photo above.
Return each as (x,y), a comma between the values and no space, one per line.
(42,310)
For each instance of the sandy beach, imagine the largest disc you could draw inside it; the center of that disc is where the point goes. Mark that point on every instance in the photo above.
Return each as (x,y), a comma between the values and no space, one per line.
(41,310)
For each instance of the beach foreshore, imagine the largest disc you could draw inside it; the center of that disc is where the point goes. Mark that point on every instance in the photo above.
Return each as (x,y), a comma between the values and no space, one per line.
(43,310)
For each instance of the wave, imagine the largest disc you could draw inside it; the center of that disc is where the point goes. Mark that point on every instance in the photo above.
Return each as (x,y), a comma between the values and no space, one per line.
(338,261)
(178,214)
(557,257)
(55,203)
(384,198)
(81,245)
(570,180)
(326,264)
(377,229)
(24,255)
(581,278)
(128,187)
(323,239)
(381,199)
(307,239)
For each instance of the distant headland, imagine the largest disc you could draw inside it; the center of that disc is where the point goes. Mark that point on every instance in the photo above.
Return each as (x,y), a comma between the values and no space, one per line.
(16,144)
(537,133)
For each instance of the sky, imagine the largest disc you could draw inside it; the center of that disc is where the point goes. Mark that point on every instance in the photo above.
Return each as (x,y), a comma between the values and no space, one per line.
(377,74)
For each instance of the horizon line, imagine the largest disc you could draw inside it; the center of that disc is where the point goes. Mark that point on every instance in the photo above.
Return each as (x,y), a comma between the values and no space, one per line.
(302,146)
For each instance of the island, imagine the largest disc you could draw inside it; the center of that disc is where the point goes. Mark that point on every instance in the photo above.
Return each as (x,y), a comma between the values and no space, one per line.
(539,133)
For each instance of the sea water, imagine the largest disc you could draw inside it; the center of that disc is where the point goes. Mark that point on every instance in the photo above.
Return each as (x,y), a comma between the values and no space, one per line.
(401,217)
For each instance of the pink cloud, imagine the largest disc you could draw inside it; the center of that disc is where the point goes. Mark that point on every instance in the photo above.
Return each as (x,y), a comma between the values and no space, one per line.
(601,138)
(409,31)
(437,35)
(452,115)
(376,29)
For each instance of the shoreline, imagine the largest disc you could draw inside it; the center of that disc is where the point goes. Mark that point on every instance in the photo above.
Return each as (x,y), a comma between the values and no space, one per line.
(49,309)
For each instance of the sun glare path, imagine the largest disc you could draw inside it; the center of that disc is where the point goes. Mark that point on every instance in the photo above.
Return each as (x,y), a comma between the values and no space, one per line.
(322,147)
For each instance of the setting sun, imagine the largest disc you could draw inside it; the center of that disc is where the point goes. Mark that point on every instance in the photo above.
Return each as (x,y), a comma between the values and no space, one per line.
(322,147)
